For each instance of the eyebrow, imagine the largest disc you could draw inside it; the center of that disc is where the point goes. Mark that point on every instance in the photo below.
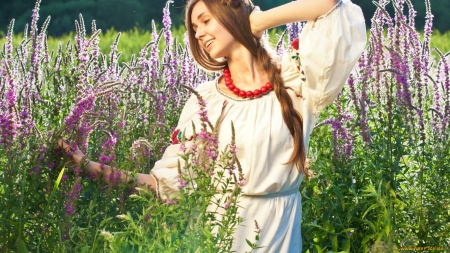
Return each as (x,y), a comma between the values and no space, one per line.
(198,17)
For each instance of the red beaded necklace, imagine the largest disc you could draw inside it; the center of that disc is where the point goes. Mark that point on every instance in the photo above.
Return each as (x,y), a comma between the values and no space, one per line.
(242,93)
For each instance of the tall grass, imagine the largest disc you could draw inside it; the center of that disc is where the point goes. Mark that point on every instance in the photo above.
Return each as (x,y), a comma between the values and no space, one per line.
(134,40)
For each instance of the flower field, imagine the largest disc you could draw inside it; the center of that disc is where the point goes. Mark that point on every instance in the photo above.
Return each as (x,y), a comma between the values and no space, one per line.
(380,153)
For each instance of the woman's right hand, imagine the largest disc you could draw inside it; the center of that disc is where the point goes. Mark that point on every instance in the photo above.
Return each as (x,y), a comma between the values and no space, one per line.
(73,150)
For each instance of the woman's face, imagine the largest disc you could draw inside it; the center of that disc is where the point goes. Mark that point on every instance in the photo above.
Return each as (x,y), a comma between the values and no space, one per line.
(211,35)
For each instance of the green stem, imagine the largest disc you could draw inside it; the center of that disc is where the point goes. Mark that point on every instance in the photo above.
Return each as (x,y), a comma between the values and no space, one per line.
(55,187)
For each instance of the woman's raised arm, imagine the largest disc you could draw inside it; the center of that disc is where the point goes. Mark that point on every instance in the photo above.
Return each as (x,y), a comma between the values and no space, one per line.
(301,10)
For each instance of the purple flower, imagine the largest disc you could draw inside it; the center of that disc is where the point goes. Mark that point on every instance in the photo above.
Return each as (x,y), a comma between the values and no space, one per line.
(84,105)
(258,228)
(167,22)
(293,29)
(36,170)
(77,171)
(9,45)
(91,176)
(183,183)
(240,183)
(69,209)
(74,192)
(26,122)
(171,202)
(233,148)
(114,176)
(111,142)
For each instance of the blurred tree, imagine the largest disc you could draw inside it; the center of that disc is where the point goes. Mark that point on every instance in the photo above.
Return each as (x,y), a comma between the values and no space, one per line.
(120,14)
(126,14)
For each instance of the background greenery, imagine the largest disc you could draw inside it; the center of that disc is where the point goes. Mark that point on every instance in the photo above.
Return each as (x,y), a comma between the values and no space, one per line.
(124,15)
(132,41)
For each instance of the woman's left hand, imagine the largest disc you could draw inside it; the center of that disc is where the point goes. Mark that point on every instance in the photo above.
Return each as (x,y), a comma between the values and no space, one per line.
(254,17)
(75,152)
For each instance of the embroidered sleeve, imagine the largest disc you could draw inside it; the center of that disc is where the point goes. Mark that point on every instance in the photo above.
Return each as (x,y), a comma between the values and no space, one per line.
(292,69)
(177,137)
(294,54)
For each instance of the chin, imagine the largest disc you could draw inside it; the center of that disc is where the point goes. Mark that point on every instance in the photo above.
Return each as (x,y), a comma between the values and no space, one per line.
(218,56)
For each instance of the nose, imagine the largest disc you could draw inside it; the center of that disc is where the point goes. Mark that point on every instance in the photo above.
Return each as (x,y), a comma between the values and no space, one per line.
(199,33)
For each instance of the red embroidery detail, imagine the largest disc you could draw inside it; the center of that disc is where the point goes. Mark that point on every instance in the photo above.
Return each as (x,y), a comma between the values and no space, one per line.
(174,137)
(177,135)
(290,88)
(295,43)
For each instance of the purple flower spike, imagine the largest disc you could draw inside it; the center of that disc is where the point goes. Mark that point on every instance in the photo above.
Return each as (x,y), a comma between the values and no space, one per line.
(84,105)
(183,184)
(167,22)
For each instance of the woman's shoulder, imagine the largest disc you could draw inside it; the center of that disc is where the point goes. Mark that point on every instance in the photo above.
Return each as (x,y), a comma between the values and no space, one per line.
(206,92)
(205,86)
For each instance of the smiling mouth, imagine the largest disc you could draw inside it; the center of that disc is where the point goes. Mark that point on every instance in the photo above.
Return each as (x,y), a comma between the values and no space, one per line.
(209,43)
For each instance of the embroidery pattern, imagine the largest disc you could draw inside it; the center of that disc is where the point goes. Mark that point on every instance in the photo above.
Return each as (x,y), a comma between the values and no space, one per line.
(295,57)
(331,11)
(294,54)
(177,135)
(296,94)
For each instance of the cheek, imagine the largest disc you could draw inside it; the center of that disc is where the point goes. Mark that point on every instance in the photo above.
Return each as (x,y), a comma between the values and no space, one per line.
(228,39)
(200,46)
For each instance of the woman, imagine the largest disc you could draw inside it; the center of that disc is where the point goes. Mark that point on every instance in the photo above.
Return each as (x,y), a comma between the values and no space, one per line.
(273,104)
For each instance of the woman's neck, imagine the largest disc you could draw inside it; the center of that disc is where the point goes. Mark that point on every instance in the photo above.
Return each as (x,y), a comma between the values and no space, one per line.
(245,72)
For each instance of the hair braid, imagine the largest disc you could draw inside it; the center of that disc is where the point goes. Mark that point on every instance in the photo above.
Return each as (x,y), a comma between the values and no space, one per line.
(291,117)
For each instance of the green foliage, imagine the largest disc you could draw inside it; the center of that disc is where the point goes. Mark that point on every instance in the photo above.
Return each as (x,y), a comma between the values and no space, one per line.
(392,193)
(133,40)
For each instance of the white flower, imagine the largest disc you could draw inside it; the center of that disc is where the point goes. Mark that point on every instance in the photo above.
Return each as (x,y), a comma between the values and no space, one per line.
(106,234)
(123,217)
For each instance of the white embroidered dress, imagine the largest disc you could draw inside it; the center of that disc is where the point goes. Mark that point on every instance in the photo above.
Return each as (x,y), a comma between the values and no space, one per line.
(329,48)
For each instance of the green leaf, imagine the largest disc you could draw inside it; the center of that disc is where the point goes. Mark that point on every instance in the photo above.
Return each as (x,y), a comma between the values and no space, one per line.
(347,230)
(319,250)
(370,208)
(21,246)
(55,186)
(367,238)
(335,242)
(345,245)
(340,196)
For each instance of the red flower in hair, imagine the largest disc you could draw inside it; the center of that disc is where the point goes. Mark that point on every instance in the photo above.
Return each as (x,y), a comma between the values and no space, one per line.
(294,44)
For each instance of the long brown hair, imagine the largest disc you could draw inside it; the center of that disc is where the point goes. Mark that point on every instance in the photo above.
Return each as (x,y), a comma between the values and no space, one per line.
(233,15)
